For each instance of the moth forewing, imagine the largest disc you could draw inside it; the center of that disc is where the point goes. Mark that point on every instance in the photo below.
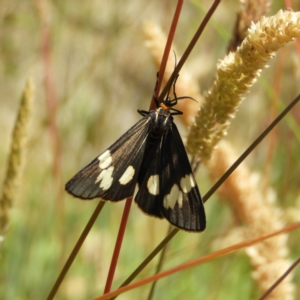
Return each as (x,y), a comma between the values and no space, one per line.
(113,174)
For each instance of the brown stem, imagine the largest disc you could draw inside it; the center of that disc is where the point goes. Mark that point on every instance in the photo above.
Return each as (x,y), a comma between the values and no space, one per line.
(118,245)
(250,148)
(75,251)
(126,211)
(164,60)
(288,271)
(200,260)
(189,49)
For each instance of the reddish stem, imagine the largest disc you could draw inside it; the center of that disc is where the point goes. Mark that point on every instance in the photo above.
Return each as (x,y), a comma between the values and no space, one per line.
(167,51)
(118,245)
(126,211)
(50,91)
(189,49)
(200,260)
(51,109)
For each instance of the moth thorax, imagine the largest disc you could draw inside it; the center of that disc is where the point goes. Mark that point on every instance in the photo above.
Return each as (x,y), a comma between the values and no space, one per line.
(165,107)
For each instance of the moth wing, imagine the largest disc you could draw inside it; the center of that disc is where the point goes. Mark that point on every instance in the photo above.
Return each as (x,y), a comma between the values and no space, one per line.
(182,204)
(113,174)
(148,197)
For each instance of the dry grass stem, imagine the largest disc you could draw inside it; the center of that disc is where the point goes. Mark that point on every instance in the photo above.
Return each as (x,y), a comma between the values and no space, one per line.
(258,211)
(236,73)
(16,156)
(185,86)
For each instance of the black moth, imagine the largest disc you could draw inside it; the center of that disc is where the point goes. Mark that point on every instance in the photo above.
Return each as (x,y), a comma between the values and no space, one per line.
(151,156)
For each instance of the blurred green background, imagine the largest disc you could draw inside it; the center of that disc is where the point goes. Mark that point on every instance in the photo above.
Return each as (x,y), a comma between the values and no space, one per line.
(102,74)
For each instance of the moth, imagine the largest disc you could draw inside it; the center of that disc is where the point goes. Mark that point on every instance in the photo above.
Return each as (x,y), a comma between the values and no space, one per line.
(150,157)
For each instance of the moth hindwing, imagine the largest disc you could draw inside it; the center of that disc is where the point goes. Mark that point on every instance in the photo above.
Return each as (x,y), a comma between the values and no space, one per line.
(149,155)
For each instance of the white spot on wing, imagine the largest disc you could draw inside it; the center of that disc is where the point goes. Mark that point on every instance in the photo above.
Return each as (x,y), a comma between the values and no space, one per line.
(127,175)
(153,185)
(105,178)
(192,180)
(171,199)
(105,160)
(185,183)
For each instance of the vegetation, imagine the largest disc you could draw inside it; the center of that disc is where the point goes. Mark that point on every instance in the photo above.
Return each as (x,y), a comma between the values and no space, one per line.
(91,64)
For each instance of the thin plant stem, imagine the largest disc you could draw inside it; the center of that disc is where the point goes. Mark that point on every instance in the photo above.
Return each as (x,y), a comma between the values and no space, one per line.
(50,89)
(200,260)
(159,265)
(118,245)
(126,211)
(189,48)
(270,149)
(150,257)
(250,149)
(44,13)
(288,271)
(167,50)
(75,251)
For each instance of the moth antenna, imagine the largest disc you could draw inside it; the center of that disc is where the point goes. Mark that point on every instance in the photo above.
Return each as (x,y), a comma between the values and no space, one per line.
(186,97)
